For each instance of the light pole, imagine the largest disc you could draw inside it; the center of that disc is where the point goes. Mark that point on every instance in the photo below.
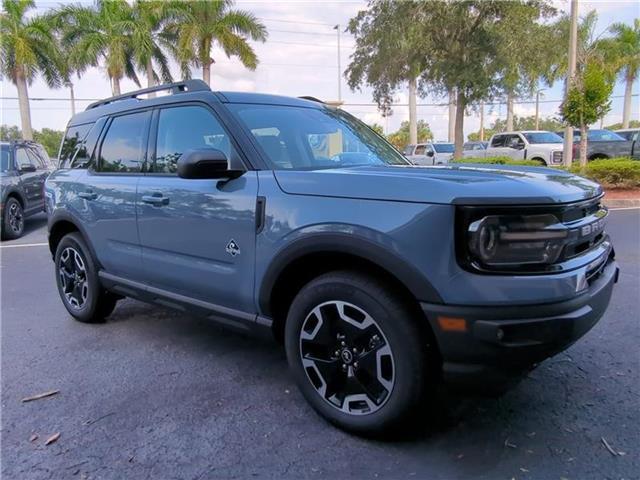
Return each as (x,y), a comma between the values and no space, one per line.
(573,43)
(540,90)
(482,121)
(337,29)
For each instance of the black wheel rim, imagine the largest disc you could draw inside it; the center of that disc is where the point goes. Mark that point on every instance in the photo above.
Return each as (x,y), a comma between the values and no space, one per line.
(347,358)
(16,219)
(73,278)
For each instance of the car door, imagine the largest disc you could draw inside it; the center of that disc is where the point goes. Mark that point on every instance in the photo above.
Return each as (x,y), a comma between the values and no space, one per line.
(515,146)
(107,193)
(497,147)
(197,235)
(30,179)
(42,170)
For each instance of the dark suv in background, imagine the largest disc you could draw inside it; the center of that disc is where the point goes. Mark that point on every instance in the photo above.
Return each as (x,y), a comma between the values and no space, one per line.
(24,166)
(291,217)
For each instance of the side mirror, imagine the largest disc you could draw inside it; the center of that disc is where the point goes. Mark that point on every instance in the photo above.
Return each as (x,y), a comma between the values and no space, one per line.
(205,163)
(517,144)
(430,153)
(27,168)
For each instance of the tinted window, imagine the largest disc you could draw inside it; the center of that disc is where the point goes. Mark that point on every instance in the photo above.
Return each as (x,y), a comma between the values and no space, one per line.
(420,149)
(5,158)
(408,150)
(72,139)
(123,146)
(543,137)
(498,141)
(36,160)
(444,147)
(23,159)
(84,151)
(314,138)
(183,128)
(603,136)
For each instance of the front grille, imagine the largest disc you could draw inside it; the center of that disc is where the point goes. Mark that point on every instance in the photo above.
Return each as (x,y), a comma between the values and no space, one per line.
(556,157)
(586,221)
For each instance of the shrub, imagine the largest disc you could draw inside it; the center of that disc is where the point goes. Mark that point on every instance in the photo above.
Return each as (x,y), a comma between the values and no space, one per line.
(611,172)
(497,161)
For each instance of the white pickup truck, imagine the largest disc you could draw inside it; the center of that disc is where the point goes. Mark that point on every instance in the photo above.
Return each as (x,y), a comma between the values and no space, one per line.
(538,145)
(432,153)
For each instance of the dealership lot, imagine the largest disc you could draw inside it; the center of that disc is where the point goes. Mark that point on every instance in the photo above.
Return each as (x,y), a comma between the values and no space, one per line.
(154,393)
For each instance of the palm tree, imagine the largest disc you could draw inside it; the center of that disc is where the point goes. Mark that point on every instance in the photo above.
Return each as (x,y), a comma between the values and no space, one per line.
(150,39)
(206,23)
(623,52)
(27,47)
(102,33)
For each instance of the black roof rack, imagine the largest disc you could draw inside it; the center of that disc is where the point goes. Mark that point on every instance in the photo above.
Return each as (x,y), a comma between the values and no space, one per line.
(310,98)
(177,87)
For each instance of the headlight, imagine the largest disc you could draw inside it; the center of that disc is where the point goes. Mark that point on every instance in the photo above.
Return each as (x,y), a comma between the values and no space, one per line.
(513,240)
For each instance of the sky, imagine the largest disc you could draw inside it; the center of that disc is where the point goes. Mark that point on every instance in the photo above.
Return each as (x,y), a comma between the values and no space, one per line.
(300,57)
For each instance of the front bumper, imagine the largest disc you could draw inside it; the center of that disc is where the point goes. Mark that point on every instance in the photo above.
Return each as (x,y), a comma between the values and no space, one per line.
(492,346)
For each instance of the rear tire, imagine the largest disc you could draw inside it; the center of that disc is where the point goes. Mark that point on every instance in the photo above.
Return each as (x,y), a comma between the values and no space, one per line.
(78,283)
(12,219)
(356,352)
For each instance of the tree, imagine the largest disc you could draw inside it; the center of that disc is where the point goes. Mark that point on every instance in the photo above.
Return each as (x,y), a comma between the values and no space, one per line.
(376,127)
(149,38)
(401,137)
(9,133)
(623,52)
(207,23)
(587,101)
(103,33)
(464,51)
(386,56)
(49,139)
(27,48)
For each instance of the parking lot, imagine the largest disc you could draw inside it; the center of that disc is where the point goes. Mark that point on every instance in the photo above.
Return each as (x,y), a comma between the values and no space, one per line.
(156,394)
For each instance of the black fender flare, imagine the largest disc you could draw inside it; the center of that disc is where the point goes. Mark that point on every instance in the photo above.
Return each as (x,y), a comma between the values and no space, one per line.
(357,246)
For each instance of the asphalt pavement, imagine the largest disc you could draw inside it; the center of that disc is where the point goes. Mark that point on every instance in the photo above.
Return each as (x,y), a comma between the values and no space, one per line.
(157,394)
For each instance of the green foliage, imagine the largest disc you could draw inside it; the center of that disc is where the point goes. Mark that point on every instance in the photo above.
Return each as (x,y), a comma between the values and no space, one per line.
(50,140)
(400,138)
(10,132)
(519,123)
(588,97)
(618,126)
(27,44)
(207,23)
(498,160)
(376,127)
(612,172)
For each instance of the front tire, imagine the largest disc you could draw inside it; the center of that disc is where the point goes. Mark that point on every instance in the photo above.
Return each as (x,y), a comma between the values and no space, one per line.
(356,352)
(13,220)
(78,283)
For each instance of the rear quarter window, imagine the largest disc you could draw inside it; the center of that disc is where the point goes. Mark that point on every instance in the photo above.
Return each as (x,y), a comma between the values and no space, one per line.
(71,142)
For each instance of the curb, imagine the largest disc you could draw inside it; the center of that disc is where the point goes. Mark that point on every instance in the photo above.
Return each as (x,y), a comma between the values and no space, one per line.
(622,203)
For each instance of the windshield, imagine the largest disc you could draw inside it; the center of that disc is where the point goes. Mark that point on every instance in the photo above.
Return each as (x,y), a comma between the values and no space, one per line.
(5,158)
(603,136)
(444,147)
(299,138)
(543,137)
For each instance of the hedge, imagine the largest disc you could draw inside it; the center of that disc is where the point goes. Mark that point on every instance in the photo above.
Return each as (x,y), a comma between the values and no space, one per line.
(609,172)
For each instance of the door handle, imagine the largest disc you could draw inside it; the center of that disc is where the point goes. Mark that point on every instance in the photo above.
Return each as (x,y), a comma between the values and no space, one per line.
(157,199)
(88,195)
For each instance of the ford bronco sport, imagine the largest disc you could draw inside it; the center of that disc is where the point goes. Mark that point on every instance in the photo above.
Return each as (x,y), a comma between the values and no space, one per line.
(287,216)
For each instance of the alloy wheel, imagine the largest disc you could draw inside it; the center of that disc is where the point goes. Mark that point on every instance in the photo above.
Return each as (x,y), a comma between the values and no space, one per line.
(347,358)
(16,218)
(73,277)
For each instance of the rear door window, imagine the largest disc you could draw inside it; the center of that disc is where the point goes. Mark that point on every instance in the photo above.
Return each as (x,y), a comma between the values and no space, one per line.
(498,141)
(123,148)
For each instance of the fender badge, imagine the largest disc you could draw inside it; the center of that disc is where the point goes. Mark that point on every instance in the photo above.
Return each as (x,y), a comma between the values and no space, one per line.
(232,248)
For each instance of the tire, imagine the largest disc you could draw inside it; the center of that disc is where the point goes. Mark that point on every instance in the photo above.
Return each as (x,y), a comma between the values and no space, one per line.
(381,336)
(78,283)
(12,219)
(541,161)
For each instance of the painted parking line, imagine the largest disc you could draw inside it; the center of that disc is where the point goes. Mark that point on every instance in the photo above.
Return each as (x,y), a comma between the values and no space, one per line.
(19,245)
(624,208)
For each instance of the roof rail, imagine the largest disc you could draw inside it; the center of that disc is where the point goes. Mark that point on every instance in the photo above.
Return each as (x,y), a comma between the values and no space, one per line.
(177,87)
(310,98)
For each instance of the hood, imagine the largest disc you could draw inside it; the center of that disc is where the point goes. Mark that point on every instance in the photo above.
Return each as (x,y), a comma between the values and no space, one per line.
(450,184)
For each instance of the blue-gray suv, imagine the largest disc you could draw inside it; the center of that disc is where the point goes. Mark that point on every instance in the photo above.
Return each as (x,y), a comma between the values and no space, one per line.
(288,216)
